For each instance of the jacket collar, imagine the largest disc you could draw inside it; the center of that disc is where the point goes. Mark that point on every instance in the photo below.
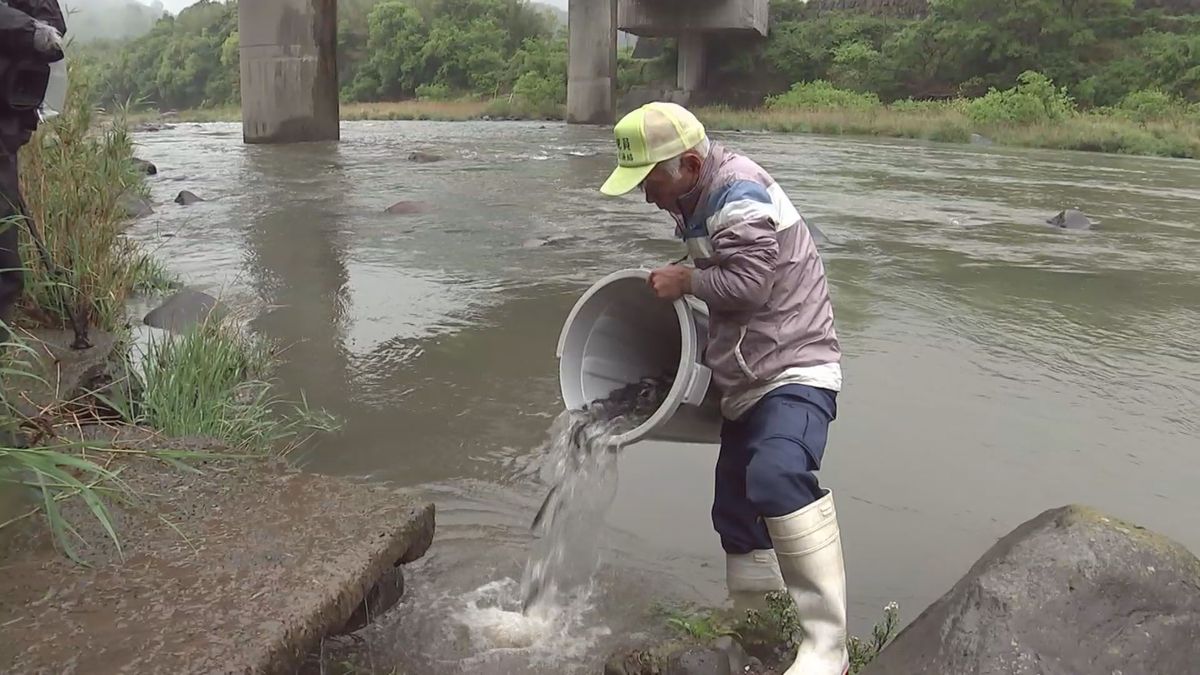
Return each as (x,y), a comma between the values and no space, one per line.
(691,200)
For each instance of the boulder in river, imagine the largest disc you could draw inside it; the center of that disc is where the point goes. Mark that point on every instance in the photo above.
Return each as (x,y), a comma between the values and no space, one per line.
(1071,219)
(182,310)
(186,197)
(424,157)
(145,166)
(1070,591)
(135,206)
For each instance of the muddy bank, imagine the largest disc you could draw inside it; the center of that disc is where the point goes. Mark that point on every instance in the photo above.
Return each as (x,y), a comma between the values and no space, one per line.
(225,562)
(244,566)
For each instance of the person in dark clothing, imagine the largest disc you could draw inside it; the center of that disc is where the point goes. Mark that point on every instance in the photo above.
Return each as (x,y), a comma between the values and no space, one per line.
(31,38)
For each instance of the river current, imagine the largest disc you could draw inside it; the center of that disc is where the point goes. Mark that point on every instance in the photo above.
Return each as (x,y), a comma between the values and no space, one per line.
(994,367)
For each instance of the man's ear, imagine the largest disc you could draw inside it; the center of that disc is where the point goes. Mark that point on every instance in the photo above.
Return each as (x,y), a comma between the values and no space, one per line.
(694,160)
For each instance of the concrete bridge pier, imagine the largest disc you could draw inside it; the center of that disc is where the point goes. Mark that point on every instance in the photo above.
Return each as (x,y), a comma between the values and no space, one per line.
(289,70)
(591,61)
(689,70)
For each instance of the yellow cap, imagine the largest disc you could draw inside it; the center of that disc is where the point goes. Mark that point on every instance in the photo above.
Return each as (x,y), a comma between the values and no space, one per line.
(654,132)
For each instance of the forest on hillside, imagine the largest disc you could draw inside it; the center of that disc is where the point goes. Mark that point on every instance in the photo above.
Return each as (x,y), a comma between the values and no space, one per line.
(1099,50)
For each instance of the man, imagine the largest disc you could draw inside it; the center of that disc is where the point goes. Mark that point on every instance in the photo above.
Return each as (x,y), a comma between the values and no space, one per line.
(774,355)
(30,38)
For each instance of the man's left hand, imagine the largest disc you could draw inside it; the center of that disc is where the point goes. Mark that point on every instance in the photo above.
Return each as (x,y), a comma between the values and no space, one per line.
(671,282)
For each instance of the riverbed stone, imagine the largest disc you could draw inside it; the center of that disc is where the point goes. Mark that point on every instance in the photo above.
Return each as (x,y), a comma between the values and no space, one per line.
(184,309)
(186,197)
(242,567)
(135,206)
(66,374)
(422,157)
(699,661)
(145,166)
(404,208)
(1071,219)
(1071,591)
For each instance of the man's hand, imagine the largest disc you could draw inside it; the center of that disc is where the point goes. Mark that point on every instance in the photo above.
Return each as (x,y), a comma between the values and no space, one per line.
(671,282)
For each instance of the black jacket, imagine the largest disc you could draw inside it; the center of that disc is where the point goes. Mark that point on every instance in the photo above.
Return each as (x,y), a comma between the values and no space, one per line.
(16,42)
(17,27)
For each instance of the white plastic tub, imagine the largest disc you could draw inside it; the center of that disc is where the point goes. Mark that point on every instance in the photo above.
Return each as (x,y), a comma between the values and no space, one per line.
(618,333)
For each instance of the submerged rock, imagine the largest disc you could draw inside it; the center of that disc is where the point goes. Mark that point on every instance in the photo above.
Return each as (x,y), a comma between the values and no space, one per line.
(135,206)
(1071,219)
(182,310)
(145,166)
(1070,591)
(424,157)
(403,208)
(186,197)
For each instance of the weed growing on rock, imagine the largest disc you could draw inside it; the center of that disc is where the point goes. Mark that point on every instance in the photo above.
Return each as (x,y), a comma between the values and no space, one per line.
(773,632)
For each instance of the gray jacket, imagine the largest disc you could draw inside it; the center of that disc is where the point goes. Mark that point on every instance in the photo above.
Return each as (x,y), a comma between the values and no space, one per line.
(759,272)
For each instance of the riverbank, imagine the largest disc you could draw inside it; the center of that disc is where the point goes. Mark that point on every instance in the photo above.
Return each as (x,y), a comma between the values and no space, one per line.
(1107,132)
(148,514)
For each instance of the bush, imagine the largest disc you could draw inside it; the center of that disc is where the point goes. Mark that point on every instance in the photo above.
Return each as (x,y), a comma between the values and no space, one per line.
(822,95)
(1034,100)
(435,91)
(1151,104)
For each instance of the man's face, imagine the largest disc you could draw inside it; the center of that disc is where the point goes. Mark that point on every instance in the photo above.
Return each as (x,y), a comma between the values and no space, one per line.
(664,189)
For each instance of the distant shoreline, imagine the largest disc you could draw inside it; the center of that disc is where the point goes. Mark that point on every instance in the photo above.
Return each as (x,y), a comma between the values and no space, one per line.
(1091,132)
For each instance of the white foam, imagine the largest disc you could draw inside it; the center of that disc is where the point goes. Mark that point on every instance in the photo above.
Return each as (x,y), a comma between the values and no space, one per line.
(548,634)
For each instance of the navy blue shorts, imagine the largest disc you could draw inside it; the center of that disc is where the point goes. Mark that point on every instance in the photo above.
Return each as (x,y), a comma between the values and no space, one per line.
(768,463)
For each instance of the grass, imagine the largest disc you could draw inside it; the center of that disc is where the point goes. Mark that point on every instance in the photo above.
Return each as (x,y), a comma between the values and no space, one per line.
(461,110)
(1093,132)
(74,179)
(212,381)
(776,625)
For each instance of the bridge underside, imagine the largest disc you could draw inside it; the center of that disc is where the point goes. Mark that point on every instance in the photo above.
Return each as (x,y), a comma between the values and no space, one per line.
(592,73)
(289,79)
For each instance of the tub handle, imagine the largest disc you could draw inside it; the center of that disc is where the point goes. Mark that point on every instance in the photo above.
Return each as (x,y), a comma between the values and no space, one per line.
(697,386)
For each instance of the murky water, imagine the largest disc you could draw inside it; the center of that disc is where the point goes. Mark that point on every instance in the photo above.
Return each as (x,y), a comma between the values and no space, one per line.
(994,367)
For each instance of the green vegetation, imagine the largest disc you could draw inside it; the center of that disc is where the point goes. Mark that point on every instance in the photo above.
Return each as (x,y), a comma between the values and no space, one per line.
(1100,75)
(210,382)
(74,183)
(761,632)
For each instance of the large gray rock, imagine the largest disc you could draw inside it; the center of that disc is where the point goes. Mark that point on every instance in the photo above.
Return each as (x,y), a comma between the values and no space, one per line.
(1070,592)
(145,166)
(182,310)
(186,197)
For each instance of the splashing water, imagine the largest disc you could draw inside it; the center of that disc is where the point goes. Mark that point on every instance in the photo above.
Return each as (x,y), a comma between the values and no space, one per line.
(582,471)
(556,587)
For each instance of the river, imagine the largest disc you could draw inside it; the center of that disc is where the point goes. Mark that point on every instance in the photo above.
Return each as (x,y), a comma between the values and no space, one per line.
(994,368)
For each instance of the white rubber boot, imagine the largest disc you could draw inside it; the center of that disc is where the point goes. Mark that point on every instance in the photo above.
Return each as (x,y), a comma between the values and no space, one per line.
(750,576)
(809,550)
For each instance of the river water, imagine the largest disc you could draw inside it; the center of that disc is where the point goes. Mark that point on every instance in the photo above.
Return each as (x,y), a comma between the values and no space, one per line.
(994,367)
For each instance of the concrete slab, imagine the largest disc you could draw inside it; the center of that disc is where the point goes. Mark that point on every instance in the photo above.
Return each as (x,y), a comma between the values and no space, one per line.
(241,568)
